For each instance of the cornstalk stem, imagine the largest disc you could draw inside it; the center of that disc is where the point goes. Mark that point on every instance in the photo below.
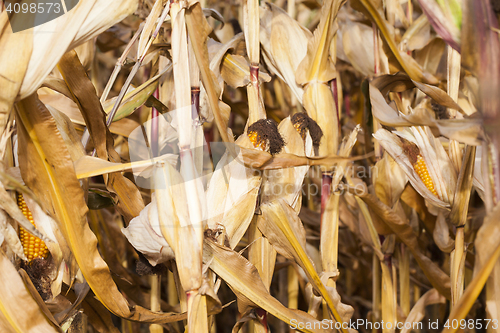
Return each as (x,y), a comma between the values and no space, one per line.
(154,128)
(155,280)
(326,184)
(457,273)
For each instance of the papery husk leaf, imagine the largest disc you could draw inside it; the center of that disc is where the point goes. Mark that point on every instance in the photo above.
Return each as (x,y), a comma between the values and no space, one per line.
(50,174)
(65,105)
(403,230)
(262,253)
(389,180)
(441,234)
(176,226)
(10,236)
(417,313)
(394,146)
(224,66)
(144,234)
(430,56)
(418,35)
(235,70)
(58,247)
(417,202)
(19,312)
(320,106)
(10,207)
(233,190)
(244,279)
(439,165)
(281,225)
(284,45)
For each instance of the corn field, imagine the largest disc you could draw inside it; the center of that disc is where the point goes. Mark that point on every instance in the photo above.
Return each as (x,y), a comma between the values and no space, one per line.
(249,166)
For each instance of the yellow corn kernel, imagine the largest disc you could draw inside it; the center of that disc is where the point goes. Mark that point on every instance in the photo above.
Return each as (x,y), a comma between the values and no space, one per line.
(33,246)
(421,169)
(256,140)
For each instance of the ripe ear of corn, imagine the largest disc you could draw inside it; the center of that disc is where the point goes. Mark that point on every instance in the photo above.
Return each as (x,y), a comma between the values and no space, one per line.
(256,140)
(33,246)
(421,169)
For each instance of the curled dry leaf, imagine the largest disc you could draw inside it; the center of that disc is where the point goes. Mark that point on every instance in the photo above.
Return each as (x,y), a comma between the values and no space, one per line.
(244,279)
(144,233)
(284,45)
(463,130)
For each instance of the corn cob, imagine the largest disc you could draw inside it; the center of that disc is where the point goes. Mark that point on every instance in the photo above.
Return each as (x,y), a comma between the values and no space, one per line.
(421,169)
(257,141)
(264,135)
(33,246)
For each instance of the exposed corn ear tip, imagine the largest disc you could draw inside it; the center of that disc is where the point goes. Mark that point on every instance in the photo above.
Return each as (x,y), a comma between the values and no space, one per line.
(440,167)
(265,136)
(33,246)
(306,125)
(406,154)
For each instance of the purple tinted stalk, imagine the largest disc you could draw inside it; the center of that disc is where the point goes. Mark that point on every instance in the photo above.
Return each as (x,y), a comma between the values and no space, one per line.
(254,74)
(262,315)
(326,184)
(195,101)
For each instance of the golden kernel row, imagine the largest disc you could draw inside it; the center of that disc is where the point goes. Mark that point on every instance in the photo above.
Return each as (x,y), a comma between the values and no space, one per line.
(421,169)
(33,246)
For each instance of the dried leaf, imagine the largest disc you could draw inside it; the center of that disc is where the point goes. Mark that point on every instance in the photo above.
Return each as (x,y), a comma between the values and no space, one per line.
(245,280)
